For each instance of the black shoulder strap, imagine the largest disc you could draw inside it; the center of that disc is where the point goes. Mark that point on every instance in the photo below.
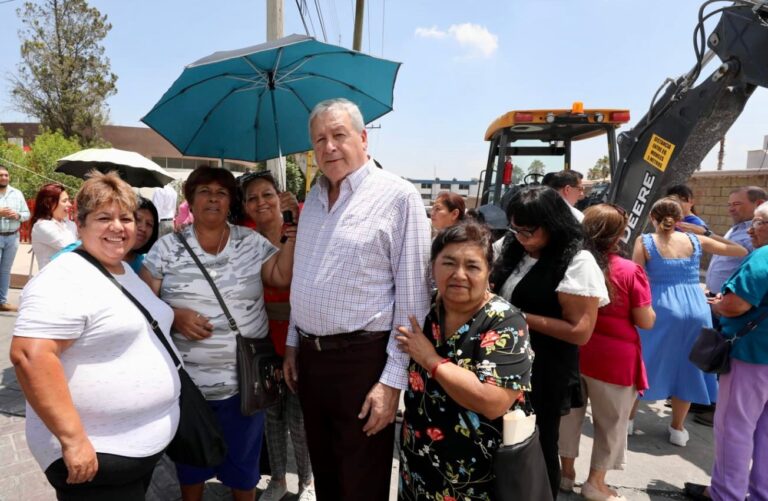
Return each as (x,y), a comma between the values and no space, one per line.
(232,323)
(152,322)
(751,325)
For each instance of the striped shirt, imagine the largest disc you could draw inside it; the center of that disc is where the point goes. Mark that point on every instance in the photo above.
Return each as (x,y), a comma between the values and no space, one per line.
(362,264)
(14,200)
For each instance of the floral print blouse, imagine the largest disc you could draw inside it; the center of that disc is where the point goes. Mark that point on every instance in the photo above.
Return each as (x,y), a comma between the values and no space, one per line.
(439,456)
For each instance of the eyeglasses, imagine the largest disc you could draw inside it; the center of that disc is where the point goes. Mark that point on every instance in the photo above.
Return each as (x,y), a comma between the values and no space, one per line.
(525,233)
(757,222)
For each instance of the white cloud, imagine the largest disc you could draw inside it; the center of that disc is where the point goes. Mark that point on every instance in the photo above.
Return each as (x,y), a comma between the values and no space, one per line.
(475,38)
(432,32)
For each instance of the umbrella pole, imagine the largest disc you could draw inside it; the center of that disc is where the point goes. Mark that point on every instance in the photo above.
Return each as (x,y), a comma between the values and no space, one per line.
(281,181)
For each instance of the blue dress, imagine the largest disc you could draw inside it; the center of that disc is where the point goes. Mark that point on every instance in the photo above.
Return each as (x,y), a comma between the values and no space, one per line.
(681,312)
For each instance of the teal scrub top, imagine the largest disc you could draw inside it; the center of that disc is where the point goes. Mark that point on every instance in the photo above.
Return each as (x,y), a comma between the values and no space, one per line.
(750,283)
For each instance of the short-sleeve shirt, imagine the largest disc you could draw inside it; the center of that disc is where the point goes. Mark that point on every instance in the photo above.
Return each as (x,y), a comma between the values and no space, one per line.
(236,271)
(613,352)
(123,382)
(750,283)
(49,236)
(583,277)
(436,437)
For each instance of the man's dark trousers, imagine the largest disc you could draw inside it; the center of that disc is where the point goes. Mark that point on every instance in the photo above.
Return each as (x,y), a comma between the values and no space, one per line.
(347,465)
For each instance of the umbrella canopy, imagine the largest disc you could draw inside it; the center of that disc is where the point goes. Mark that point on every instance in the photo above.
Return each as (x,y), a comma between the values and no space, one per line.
(253,104)
(135,169)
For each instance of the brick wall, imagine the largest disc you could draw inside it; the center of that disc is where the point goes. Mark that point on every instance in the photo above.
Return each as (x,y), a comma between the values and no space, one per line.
(711,190)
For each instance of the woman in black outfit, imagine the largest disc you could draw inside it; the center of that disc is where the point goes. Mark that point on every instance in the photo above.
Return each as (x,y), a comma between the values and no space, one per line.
(544,271)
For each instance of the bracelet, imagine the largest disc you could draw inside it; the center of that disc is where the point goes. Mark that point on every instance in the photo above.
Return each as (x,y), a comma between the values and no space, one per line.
(434,368)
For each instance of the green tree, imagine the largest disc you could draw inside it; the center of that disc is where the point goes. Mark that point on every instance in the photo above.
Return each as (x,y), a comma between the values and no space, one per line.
(517,175)
(34,168)
(601,169)
(294,179)
(536,167)
(64,78)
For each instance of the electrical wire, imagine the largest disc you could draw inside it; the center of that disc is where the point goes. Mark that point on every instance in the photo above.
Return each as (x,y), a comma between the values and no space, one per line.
(301,14)
(383,16)
(320,20)
(335,19)
(13,164)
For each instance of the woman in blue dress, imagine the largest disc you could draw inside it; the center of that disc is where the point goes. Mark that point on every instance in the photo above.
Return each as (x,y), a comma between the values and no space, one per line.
(671,259)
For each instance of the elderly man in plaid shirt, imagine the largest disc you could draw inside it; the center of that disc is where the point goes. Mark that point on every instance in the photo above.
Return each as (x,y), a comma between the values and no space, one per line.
(360,269)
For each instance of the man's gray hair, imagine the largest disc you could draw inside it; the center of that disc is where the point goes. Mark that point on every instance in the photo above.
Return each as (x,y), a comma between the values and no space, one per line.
(336,105)
(762,210)
(754,193)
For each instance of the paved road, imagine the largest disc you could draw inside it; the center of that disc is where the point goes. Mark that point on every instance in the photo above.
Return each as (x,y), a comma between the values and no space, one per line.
(655,470)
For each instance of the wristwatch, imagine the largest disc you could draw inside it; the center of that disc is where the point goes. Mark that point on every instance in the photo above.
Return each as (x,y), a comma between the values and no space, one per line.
(707,232)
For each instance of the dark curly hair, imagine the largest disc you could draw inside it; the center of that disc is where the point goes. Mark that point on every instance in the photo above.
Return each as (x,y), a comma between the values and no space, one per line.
(542,207)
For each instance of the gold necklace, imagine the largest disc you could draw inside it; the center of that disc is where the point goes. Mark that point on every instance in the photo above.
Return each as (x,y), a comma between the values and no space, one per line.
(215,260)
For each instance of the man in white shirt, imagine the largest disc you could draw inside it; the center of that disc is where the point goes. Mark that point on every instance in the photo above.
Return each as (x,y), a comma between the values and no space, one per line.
(570,186)
(13,212)
(165,202)
(360,269)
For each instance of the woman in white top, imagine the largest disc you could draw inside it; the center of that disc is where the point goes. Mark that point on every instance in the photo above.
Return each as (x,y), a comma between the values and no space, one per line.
(102,392)
(545,272)
(51,228)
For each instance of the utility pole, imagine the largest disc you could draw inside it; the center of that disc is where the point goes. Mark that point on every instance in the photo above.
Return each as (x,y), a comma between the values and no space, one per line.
(357,41)
(274,31)
(721,154)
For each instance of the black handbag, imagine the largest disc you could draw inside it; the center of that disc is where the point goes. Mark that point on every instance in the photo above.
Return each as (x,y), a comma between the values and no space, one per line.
(711,352)
(198,440)
(259,368)
(519,470)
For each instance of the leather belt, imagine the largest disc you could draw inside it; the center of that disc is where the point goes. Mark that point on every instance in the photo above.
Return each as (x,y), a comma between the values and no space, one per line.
(166,219)
(8,233)
(338,341)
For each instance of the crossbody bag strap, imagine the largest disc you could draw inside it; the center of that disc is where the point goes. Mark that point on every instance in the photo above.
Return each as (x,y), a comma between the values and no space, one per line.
(751,325)
(152,322)
(232,323)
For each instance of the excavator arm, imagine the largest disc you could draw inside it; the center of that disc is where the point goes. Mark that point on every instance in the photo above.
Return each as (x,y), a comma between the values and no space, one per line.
(669,143)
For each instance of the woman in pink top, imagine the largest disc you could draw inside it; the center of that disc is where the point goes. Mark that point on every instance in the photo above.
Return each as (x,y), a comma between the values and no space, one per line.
(611,363)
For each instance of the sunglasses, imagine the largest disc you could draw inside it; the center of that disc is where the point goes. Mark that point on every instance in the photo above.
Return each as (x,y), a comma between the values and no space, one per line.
(252,176)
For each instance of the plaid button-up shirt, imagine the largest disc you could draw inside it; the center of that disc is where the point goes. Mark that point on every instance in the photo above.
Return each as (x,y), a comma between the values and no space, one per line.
(14,200)
(362,264)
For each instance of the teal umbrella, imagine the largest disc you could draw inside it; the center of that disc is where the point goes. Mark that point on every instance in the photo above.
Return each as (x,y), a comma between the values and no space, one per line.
(253,104)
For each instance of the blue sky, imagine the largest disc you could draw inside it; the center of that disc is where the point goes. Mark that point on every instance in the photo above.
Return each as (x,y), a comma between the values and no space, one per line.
(464,64)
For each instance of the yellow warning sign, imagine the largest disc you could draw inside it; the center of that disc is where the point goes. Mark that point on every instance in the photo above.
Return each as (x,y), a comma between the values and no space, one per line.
(659,152)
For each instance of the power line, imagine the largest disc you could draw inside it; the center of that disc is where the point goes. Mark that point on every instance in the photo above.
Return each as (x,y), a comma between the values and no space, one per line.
(13,164)
(383,16)
(320,20)
(335,19)
(301,14)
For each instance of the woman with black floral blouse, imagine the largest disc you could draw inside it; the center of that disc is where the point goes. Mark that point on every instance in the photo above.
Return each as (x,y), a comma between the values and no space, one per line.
(472,366)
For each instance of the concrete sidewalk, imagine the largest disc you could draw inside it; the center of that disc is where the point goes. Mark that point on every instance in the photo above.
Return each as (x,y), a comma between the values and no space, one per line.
(655,469)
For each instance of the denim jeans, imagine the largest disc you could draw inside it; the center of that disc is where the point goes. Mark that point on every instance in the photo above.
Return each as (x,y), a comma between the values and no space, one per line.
(8,247)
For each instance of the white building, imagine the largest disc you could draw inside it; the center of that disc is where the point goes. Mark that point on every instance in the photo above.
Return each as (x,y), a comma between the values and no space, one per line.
(758,159)
(429,188)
